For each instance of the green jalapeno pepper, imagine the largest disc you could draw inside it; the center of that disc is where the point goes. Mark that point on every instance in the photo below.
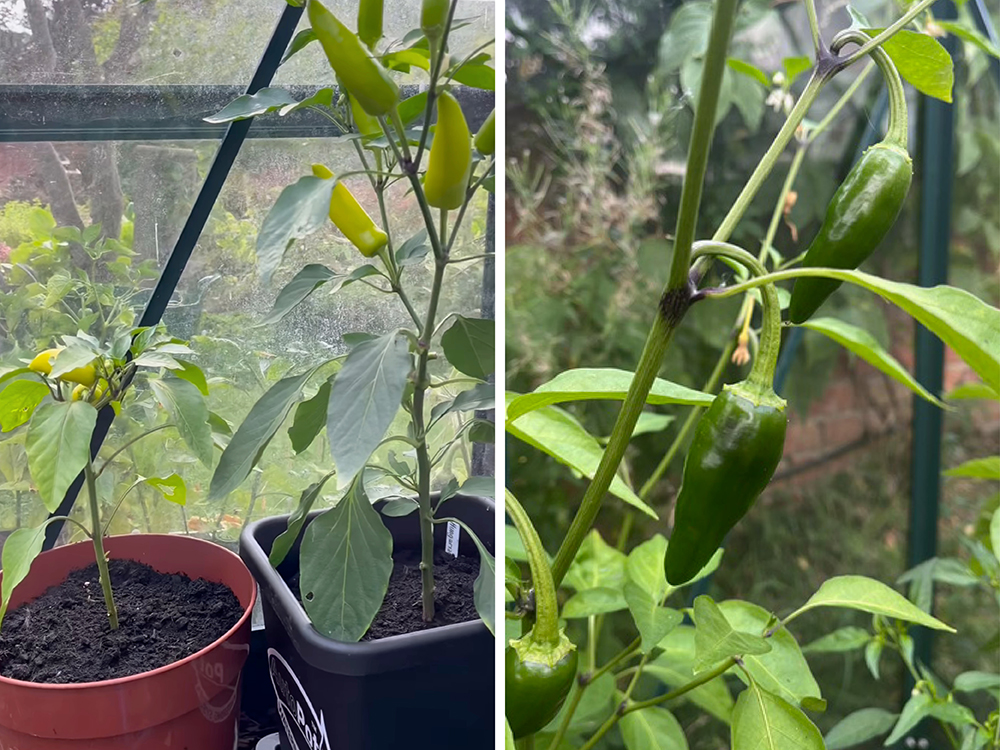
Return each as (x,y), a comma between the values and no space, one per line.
(737,445)
(539,667)
(865,206)
(360,73)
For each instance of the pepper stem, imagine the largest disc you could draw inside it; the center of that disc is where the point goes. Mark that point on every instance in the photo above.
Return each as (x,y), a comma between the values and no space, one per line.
(761,378)
(897,133)
(546,629)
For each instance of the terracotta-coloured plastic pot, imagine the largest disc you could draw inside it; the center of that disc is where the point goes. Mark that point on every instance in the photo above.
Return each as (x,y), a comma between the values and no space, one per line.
(192,704)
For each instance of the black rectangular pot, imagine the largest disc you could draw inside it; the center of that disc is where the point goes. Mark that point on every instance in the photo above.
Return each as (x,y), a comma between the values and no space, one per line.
(429,689)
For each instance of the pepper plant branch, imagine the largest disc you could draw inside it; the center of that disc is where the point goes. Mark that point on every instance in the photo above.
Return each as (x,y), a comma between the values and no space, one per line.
(465,204)
(814,27)
(574,703)
(830,116)
(675,298)
(129,444)
(912,12)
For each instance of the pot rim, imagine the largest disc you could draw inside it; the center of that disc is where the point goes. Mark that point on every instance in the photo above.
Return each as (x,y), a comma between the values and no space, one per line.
(11,682)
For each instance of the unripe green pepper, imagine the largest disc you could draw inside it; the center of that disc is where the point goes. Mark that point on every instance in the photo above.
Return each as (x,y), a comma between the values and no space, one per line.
(351,219)
(485,140)
(737,445)
(865,206)
(361,74)
(450,162)
(370,22)
(433,17)
(540,667)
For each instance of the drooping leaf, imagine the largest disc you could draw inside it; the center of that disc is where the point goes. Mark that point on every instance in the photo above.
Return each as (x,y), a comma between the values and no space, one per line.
(310,418)
(977,468)
(171,487)
(300,210)
(917,707)
(601,383)
(345,564)
(476,76)
(558,434)
(252,437)
(969,682)
(765,721)
(286,539)
(193,374)
(859,727)
(922,61)
(970,35)
(58,447)
(868,595)
(484,586)
(251,105)
(300,41)
(750,71)
(364,400)
(480,397)
(968,391)
(794,67)
(189,412)
(860,342)
(839,641)
(71,358)
(18,402)
(469,346)
(305,282)
(19,551)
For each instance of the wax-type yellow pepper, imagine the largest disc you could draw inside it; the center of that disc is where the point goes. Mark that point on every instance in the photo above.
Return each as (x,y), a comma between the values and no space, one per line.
(43,363)
(350,218)
(450,163)
(433,17)
(81,392)
(485,140)
(370,22)
(360,73)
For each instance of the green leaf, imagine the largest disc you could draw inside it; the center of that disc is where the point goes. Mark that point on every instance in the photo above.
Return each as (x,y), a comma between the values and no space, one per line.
(303,38)
(508,742)
(601,383)
(404,58)
(868,595)
(972,391)
(251,105)
(873,656)
(469,346)
(479,487)
(675,667)
(783,670)
(594,706)
(645,589)
(58,447)
(286,539)
(345,563)
(480,397)
(715,638)
(751,71)
(485,584)
(365,399)
(300,210)
(970,682)
(557,433)
(19,551)
(171,487)
(252,437)
(765,721)
(322,98)
(977,468)
(193,374)
(189,412)
(650,422)
(71,358)
(399,507)
(839,641)
(862,343)
(995,533)
(310,418)
(413,250)
(18,402)
(970,35)
(476,76)
(916,709)
(304,283)
(921,60)
(412,107)
(596,564)
(794,67)
(156,360)
(594,601)
(686,37)
(652,728)
(482,431)
(859,727)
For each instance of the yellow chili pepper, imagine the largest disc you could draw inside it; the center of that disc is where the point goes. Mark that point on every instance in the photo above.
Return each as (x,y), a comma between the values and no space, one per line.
(433,16)
(81,391)
(370,22)
(366,124)
(485,140)
(43,363)
(351,219)
(360,73)
(450,163)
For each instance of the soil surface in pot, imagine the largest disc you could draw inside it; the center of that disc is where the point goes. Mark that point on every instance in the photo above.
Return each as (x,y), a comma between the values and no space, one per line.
(63,636)
(401,611)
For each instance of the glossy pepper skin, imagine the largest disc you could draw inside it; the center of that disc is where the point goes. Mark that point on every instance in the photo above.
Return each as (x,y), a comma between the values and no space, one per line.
(450,162)
(361,74)
(370,22)
(861,213)
(485,140)
(351,219)
(535,690)
(737,445)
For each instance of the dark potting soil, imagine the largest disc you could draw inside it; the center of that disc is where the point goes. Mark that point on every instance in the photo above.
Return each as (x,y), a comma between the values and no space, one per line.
(402,612)
(63,636)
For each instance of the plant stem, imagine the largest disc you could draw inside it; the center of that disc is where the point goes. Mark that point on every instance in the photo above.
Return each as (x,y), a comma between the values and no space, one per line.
(546,628)
(574,703)
(676,296)
(914,10)
(129,444)
(841,102)
(423,454)
(814,26)
(102,561)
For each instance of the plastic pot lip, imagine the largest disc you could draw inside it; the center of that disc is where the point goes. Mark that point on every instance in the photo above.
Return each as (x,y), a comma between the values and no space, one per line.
(119,681)
(303,629)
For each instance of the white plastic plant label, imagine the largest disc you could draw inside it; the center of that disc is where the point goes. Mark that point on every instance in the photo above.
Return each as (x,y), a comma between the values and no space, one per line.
(451,541)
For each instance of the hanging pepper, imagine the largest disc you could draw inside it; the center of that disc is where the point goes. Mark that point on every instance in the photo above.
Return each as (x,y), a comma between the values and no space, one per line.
(370,22)
(737,445)
(539,667)
(350,218)
(450,163)
(361,74)
(865,206)
(366,124)
(42,363)
(433,17)
(485,141)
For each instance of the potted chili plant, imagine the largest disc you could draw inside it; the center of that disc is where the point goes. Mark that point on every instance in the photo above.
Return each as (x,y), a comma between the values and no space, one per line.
(564,689)
(376,608)
(125,641)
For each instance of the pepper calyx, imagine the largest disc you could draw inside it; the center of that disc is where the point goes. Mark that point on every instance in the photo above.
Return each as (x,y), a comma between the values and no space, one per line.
(530,649)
